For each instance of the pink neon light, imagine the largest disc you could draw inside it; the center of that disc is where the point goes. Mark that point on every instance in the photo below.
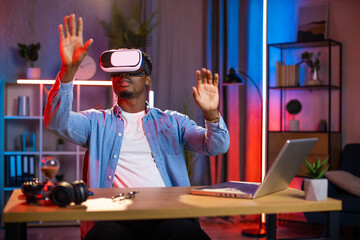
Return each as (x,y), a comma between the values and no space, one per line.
(76,82)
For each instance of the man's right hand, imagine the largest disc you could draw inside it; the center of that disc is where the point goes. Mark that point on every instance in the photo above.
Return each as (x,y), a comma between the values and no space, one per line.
(72,48)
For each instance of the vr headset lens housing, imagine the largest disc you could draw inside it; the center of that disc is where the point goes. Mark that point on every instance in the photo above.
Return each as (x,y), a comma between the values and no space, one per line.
(122,61)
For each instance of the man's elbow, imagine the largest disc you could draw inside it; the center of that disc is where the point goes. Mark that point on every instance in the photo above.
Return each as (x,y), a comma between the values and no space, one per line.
(221,147)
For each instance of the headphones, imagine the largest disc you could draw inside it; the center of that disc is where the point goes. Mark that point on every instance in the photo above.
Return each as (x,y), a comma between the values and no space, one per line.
(65,193)
(62,194)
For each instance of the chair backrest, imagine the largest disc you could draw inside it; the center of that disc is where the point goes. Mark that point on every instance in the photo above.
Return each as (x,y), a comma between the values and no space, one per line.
(86,167)
(85,226)
(350,159)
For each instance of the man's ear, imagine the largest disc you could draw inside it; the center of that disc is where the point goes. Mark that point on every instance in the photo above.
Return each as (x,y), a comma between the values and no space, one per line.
(148,81)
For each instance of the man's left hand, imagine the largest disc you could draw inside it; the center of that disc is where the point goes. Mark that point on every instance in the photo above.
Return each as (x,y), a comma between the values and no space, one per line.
(206,93)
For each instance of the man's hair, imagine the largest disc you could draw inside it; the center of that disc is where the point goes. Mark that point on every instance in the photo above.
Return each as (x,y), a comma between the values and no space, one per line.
(148,63)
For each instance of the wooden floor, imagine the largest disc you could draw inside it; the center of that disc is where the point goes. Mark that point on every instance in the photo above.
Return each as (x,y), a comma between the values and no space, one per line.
(217,228)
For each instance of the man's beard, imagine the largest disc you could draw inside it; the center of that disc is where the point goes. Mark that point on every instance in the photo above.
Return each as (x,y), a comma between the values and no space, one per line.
(125,94)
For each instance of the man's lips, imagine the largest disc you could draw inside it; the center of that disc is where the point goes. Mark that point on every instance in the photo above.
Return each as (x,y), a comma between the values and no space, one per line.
(124,82)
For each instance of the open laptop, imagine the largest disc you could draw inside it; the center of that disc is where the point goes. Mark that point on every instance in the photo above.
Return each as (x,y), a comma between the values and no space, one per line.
(279,176)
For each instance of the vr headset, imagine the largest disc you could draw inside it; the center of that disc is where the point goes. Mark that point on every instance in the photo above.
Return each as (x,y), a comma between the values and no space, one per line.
(123,61)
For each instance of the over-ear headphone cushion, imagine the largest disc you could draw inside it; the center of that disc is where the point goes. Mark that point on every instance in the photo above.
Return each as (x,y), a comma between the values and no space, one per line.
(63,194)
(80,191)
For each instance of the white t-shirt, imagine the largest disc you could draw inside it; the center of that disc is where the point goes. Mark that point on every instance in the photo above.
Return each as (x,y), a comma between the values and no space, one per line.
(136,167)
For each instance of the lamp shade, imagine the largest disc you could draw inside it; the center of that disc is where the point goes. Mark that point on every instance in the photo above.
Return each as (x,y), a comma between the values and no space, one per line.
(234,77)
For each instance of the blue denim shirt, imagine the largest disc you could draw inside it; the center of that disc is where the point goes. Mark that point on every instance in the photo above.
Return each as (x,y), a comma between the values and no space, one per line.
(169,133)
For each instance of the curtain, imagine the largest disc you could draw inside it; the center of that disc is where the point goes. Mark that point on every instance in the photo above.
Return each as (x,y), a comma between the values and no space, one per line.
(213,34)
(177,50)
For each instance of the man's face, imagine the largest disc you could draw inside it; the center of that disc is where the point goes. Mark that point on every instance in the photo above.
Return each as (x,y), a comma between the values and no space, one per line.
(130,86)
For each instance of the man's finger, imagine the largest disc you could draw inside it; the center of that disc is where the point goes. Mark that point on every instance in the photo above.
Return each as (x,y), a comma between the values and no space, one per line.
(195,94)
(66,26)
(80,28)
(61,32)
(198,78)
(209,77)
(204,75)
(216,80)
(87,45)
(72,25)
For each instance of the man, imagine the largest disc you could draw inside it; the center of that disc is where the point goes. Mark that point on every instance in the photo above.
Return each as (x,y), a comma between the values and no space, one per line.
(131,144)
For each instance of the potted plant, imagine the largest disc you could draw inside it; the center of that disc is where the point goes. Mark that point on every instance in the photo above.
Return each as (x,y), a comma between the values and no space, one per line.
(31,54)
(60,145)
(128,31)
(315,185)
(293,107)
(314,67)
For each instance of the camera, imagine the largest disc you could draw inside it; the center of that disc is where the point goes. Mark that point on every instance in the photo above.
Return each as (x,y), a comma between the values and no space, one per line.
(60,194)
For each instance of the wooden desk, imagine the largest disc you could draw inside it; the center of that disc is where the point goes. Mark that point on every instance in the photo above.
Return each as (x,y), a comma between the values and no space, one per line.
(158,203)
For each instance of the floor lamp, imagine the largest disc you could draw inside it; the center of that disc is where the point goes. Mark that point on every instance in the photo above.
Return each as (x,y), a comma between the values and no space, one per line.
(236,76)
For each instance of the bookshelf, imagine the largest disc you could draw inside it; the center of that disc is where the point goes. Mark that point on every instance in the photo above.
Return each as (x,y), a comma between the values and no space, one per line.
(320,102)
(87,94)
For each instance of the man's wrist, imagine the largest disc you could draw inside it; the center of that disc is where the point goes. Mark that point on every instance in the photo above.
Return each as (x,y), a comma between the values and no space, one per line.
(213,118)
(66,74)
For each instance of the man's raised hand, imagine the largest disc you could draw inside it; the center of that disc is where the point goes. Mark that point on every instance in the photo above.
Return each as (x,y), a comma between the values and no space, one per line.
(72,48)
(206,93)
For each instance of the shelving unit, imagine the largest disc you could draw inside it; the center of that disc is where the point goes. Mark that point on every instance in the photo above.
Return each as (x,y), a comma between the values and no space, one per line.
(71,157)
(319,102)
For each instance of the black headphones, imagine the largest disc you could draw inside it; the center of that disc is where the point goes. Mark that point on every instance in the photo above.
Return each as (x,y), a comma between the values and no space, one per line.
(62,194)
(65,193)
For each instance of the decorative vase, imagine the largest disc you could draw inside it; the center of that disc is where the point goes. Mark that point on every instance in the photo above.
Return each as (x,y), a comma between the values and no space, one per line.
(314,78)
(316,189)
(33,73)
(294,125)
(60,147)
(322,126)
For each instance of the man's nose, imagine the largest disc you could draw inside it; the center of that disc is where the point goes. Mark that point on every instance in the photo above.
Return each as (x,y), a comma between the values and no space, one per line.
(124,74)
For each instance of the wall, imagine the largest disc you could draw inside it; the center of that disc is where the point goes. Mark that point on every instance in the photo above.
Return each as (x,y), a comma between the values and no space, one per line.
(343,18)
(37,21)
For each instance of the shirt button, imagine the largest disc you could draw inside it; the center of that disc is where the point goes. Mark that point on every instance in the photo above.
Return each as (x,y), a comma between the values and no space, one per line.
(119,134)
(109,177)
(115,156)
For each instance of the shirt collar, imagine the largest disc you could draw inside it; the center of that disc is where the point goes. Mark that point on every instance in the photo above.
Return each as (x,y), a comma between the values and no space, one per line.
(118,110)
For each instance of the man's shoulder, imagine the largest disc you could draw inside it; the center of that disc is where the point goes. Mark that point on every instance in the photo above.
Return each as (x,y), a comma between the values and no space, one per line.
(168,113)
(98,112)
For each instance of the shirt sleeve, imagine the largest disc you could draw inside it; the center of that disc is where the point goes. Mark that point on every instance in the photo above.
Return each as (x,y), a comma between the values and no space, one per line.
(59,117)
(212,140)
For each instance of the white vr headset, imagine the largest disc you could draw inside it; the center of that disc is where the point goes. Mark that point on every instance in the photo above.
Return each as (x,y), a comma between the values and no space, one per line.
(122,61)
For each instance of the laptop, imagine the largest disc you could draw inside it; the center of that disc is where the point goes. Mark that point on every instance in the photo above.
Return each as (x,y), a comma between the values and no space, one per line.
(279,176)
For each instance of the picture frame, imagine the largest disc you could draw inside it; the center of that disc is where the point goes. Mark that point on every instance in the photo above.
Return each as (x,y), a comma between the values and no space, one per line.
(312,23)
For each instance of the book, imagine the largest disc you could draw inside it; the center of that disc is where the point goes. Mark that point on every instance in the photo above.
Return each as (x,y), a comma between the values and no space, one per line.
(12,171)
(32,166)
(287,75)
(25,172)
(279,69)
(19,170)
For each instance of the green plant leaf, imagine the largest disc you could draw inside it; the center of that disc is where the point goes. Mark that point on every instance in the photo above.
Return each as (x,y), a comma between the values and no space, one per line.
(309,167)
(29,52)
(317,169)
(128,31)
(321,174)
(317,163)
(323,163)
